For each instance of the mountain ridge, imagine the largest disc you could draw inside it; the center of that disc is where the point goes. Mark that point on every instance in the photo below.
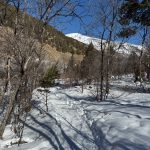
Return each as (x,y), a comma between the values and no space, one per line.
(125,48)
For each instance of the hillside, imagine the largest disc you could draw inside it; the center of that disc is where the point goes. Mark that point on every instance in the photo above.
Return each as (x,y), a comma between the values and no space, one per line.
(54,37)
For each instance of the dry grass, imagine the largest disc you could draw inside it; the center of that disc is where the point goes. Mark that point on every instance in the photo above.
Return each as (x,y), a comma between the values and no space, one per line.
(50,52)
(57,56)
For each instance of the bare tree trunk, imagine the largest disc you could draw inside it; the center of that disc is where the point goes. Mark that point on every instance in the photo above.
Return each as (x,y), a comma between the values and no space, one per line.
(10,106)
(102,76)
(145,32)
(82,86)
(140,66)
(8,74)
(8,111)
(107,77)
(17,6)
(148,74)
(46,99)
(7,84)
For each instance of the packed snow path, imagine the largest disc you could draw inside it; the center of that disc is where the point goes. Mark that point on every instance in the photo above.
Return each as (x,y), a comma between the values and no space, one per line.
(74,121)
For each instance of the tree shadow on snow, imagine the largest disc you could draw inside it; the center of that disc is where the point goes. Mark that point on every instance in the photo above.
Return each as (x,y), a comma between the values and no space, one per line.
(127,105)
(52,136)
(69,140)
(123,144)
(74,98)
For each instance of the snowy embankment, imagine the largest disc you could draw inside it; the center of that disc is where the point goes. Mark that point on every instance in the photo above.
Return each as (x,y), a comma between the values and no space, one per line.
(74,121)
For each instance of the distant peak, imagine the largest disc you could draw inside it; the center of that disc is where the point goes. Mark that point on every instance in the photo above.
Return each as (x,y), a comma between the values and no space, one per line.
(125,48)
(73,34)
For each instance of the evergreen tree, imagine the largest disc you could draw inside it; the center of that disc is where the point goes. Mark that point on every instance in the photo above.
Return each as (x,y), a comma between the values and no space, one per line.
(70,71)
(134,12)
(50,76)
(90,63)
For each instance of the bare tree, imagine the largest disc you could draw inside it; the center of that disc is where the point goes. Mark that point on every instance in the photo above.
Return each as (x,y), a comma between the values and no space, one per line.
(23,59)
(107,21)
(25,53)
(143,37)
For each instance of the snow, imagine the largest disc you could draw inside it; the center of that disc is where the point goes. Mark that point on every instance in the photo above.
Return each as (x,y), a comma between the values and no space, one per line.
(126,48)
(75,121)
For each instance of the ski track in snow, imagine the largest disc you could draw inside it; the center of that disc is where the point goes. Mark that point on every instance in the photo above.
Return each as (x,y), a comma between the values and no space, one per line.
(76,122)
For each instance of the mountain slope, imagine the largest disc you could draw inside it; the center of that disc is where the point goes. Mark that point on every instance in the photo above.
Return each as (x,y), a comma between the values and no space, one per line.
(125,47)
(53,37)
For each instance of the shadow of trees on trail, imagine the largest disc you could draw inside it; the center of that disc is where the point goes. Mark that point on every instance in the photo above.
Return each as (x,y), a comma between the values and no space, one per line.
(54,133)
(122,144)
(81,133)
(64,135)
(55,137)
(43,135)
(52,136)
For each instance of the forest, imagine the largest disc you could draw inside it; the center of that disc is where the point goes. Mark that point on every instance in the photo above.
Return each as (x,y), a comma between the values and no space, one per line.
(100,101)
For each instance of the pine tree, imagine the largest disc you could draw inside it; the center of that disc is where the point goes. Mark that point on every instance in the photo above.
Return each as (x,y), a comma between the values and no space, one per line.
(70,71)
(87,63)
(90,65)
(49,78)
(134,12)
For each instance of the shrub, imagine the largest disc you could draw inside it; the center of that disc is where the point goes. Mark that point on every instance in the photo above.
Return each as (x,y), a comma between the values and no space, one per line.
(49,78)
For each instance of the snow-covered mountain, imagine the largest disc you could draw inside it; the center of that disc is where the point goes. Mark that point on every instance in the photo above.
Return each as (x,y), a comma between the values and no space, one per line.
(125,47)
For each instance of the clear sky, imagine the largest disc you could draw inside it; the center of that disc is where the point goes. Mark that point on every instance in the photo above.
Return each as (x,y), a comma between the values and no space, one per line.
(76,26)
(86,26)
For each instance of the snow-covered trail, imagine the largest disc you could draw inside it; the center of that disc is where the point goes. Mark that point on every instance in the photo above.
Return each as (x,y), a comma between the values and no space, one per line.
(75,122)
(121,124)
(63,127)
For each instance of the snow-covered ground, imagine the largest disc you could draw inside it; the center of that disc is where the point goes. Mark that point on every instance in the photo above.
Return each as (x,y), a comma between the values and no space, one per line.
(75,121)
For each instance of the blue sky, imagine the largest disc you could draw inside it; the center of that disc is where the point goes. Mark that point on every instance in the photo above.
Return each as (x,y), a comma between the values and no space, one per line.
(75,25)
